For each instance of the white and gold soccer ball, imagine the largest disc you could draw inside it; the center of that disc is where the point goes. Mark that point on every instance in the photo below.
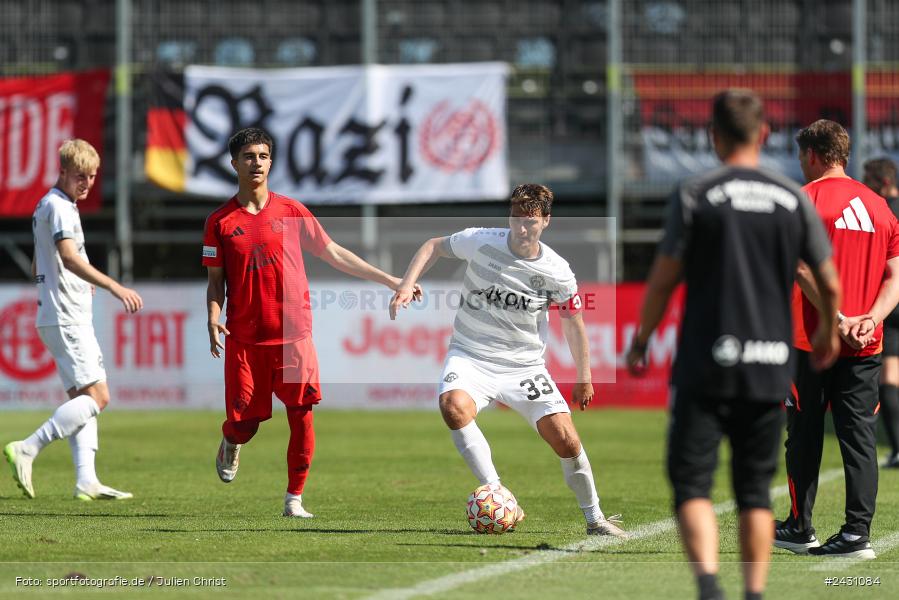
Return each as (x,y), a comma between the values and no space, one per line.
(493,509)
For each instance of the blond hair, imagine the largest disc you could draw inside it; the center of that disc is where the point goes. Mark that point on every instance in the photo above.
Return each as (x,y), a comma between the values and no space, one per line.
(78,155)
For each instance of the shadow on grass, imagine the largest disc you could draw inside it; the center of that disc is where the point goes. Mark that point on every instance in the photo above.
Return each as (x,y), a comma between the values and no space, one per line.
(98,514)
(542,547)
(307,530)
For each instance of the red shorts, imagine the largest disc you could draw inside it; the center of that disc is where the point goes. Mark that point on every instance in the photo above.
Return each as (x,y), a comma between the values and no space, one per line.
(253,373)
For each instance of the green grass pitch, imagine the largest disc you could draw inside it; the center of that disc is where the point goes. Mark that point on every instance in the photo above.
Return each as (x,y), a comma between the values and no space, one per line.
(388,491)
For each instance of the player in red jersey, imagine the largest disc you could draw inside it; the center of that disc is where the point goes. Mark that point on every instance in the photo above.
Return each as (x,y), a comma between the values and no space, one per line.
(253,250)
(865,238)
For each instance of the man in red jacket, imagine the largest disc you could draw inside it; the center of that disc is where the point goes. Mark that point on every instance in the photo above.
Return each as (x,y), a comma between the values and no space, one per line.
(865,238)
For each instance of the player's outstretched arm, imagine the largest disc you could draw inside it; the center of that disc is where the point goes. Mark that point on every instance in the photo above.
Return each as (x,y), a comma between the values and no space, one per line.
(664,276)
(424,259)
(68,253)
(346,262)
(576,336)
(215,299)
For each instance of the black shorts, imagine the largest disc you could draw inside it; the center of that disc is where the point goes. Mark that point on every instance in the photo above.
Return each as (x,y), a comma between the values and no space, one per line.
(890,340)
(697,424)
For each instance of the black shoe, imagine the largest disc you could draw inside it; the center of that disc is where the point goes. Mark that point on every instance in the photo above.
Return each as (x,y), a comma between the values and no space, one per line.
(789,538)
(837,545)
(892,462)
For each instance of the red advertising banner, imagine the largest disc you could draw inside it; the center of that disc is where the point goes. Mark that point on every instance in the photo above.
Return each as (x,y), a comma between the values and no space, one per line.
(37,114)
(610,335)
(159,358)
(675,111)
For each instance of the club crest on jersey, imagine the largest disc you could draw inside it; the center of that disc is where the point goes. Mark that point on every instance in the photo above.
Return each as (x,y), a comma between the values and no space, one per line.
(537,282)
(450,377)
(277,225)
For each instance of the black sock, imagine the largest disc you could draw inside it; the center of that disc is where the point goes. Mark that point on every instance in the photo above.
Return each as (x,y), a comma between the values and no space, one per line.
(752,595)
(889,414)
(708,587)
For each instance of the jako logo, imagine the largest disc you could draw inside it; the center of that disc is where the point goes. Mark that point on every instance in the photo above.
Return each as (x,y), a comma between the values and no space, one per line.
(765,353)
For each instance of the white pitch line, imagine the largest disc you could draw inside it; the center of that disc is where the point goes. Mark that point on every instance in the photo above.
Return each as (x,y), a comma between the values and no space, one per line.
(884,544)
(454,580)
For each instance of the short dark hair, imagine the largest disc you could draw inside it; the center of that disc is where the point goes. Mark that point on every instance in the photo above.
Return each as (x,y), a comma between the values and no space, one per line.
(737,115)
(827,139)
(248,137)
(532,198)
(879,173)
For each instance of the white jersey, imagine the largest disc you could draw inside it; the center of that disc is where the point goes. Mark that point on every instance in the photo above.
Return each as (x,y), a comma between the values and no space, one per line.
(63,297)
(504,315)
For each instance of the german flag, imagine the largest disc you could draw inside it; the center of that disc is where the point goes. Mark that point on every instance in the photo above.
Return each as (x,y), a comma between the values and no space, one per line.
(165,161)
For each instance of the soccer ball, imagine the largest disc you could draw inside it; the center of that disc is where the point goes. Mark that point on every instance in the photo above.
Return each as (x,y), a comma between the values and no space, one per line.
(492,509)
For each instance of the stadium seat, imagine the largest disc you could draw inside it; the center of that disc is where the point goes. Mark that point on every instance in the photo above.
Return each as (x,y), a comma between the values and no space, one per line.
(234,52)
(296,51)
(176,52)
(417,50)
(594,15)
(664,17)
(535,52)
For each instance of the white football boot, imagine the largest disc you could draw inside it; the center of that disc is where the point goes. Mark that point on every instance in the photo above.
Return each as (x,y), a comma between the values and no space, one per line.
(293,507)
(21,466)
(227,460)
(607,526)
(98,491)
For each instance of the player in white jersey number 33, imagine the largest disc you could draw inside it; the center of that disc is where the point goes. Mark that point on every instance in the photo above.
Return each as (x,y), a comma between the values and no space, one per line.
(499,339)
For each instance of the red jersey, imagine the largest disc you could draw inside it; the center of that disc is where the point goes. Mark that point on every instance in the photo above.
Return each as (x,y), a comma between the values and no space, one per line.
(266,286)
(864,234)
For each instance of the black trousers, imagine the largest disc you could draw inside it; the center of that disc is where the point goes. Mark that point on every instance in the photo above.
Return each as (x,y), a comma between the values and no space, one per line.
(850,388)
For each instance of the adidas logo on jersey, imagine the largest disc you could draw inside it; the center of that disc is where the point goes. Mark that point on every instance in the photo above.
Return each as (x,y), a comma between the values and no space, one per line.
(236,232)
(855,217)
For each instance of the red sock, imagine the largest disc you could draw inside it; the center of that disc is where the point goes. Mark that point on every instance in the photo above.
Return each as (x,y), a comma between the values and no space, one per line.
(300,448)
(239,432)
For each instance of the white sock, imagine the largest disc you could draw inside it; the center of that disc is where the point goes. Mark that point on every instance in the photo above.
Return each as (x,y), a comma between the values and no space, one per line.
(84,446)
(579,477)
(67,419)
(851,537)
(473,447)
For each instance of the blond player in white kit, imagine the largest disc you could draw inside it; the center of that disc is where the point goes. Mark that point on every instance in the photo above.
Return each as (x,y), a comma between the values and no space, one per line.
(65,281)
(499,339)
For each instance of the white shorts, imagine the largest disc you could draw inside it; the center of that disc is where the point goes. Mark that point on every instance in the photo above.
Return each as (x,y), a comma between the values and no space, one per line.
(77,354)
(529,391)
